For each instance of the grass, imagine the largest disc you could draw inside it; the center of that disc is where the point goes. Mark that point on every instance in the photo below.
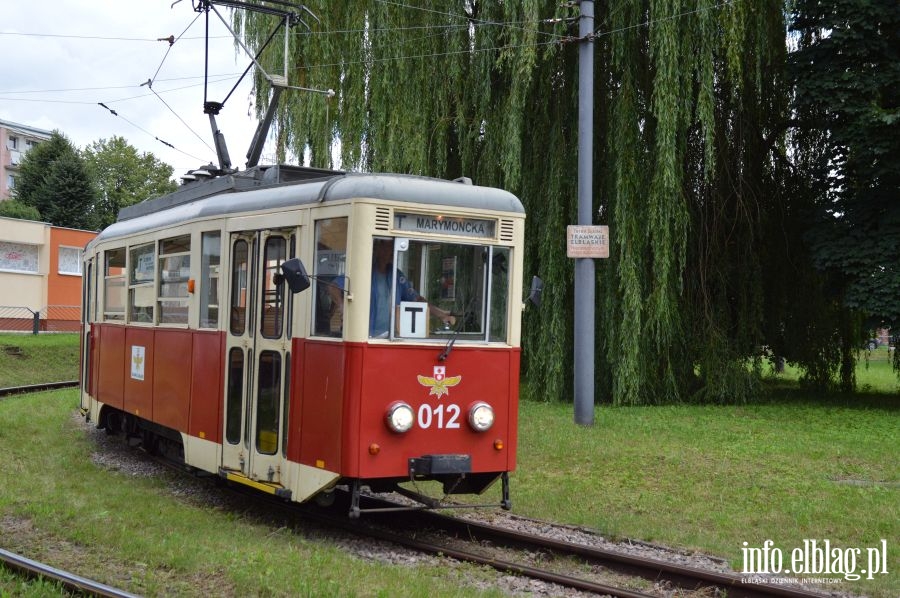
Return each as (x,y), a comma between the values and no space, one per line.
(796,467)
(712,478)
(139,534)
(32,359)
(12,584)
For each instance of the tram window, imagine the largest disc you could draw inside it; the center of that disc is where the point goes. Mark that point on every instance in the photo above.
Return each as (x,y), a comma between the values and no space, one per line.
(499,292)
(235,394)
(272,304)
(439,291)
(174,272)
(140,284)
(329,270)
(86,295)
(114,285)
(239,267)
(267,403)
(209,279)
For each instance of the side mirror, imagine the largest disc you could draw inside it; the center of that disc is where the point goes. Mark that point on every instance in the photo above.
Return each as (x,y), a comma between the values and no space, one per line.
(295,275)
(537,287)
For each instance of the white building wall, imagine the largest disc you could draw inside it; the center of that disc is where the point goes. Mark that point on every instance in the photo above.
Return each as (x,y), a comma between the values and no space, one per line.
(24,247)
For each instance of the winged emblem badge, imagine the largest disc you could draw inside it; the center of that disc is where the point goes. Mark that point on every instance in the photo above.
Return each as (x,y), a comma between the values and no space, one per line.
(440,384)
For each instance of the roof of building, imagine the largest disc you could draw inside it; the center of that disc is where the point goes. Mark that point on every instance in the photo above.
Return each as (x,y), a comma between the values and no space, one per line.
(25,129)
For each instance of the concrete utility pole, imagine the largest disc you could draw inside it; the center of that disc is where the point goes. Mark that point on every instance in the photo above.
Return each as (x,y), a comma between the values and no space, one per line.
(584,267)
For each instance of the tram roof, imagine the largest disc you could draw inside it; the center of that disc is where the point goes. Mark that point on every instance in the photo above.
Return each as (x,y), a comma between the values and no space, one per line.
(282,186)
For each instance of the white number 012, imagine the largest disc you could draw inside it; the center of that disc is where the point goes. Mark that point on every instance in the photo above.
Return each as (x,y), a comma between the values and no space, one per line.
(429,415)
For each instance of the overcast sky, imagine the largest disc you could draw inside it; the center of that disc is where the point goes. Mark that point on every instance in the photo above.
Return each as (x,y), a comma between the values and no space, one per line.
(59,58)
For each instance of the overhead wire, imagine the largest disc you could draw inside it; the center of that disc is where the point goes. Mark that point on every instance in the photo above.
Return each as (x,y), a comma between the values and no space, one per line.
(224,77)
(149,83)
(171,41)
(140,128)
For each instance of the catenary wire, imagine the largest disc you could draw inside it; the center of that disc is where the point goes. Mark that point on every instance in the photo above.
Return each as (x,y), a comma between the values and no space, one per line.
(169,49)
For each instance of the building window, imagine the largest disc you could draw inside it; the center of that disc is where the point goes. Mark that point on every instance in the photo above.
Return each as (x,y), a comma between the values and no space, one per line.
(10,182)
(70,260)
(18,257)
(12,143)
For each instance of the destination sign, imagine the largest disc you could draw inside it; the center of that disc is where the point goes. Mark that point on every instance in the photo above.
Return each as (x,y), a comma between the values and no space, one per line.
(444,225)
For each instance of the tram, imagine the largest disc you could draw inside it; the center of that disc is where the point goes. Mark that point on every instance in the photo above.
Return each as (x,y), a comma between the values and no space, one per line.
(297,329)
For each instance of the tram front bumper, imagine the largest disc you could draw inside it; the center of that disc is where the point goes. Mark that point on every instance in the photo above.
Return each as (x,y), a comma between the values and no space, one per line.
(435,465)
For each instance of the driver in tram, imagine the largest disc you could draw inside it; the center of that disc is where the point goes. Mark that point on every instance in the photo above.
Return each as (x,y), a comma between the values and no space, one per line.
(380,308)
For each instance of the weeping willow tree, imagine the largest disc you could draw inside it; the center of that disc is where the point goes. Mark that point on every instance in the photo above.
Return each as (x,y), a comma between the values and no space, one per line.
(689,162)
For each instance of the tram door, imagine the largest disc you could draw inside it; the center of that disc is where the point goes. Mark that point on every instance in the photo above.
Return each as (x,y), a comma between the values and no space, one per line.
(257,354)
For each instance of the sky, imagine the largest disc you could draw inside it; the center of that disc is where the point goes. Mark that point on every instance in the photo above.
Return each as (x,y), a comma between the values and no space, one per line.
(60,58)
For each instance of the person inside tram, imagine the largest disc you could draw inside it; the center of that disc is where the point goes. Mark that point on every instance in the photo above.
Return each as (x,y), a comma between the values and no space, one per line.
(380,309)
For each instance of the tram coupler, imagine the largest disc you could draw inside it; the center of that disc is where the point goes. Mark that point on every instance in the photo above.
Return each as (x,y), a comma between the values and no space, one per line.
(505,503)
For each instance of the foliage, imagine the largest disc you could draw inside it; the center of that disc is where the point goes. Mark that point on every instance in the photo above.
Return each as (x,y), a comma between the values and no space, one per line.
(54,180)
(124,177)
(16,209)
(707,262)
(846,73)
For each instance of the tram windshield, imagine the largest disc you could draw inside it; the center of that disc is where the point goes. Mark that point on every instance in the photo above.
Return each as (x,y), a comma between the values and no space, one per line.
(439,290)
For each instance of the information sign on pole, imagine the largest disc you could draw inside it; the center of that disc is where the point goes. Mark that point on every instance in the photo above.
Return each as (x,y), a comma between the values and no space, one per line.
(587,241)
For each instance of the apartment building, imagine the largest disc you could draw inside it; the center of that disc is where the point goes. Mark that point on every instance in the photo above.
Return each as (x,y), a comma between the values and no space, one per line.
(15,141)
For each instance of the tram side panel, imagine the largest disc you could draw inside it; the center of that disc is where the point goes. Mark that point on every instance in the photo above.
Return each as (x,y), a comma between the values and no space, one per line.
(139,363)
(318,391)
(110,343)
(206,386)
(170,377)
(172,373)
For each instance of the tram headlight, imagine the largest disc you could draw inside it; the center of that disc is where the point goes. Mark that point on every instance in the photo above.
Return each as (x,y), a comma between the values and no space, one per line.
(399,417)
(481,416)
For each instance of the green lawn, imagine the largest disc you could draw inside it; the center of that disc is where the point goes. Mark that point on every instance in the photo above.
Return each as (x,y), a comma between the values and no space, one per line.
(711,477)
(32,359)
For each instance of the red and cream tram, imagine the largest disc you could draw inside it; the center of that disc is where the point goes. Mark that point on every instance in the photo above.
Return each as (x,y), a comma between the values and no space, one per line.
(294,329)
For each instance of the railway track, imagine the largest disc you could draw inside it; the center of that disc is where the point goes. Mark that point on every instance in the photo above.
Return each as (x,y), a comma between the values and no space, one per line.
(688,579)
(69,581)
(569,565)
(20,390)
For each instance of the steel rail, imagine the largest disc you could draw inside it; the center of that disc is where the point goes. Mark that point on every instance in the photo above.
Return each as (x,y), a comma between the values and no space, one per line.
(336,518)
(652,569)
(19,390)
(498,564)
(69,581)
